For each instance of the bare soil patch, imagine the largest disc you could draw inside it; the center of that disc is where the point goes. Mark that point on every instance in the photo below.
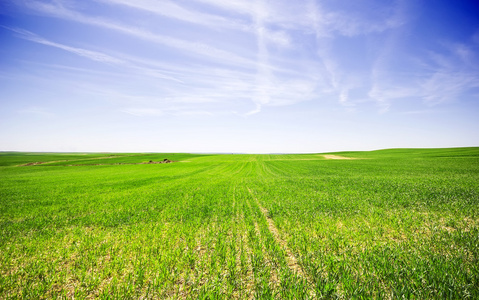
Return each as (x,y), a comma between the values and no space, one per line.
(151,162)
(32,164)
(329,156)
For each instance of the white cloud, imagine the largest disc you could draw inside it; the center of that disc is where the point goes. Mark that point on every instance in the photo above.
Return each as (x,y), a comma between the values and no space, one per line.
(444,78)
(215,22)
(270,77)
(353,25)
(445,86)
(174,10)
(185,46)
(93,55)
(245,7)
(331,24)
(452,72)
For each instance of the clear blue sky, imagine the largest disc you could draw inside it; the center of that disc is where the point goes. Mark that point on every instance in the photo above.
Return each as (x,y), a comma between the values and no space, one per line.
(238,75)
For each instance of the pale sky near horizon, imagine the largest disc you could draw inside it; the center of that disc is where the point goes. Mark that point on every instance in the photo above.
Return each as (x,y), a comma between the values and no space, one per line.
(238,75)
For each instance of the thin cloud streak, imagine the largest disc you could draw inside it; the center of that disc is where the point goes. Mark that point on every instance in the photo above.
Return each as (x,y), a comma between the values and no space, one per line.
(446,78)
(92,55)
(175,11)
(451,74)
(185,46)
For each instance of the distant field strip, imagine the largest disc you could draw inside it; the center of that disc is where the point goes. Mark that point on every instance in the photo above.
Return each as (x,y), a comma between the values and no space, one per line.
(390,224)
(113,159)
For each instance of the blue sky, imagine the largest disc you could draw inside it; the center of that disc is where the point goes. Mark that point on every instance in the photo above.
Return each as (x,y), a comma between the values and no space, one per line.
(238,76)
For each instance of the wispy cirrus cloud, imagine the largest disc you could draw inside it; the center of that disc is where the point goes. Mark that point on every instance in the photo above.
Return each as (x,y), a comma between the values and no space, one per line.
(445,75)
(89,54)
(92,55)
(272,67)
(269,25)
(375,18)
(333,20)
(446,85)
(214,22)
(334,26)
(187,47)
(174,10)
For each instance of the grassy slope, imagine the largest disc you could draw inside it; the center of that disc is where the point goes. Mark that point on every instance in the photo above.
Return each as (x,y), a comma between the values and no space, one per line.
(398,222)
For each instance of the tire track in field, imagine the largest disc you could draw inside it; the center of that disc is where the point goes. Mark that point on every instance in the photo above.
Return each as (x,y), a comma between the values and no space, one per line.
(274,276)
(243,260)
(293,264)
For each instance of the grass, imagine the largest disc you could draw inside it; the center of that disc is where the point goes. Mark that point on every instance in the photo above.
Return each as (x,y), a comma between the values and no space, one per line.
(398,223)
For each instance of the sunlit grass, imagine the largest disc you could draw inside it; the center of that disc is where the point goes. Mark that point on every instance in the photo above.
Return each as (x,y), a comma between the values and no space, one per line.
(396,223)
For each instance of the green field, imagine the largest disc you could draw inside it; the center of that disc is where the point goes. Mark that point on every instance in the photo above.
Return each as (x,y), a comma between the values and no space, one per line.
(399,223)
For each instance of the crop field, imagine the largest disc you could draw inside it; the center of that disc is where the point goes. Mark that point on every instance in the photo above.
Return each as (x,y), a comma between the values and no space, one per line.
(399,223)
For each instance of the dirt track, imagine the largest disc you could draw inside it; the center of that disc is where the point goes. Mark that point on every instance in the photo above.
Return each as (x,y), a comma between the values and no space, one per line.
(336,157)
